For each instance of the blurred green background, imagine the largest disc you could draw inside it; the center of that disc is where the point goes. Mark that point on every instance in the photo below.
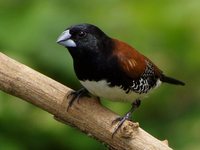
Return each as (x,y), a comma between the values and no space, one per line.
(166,31)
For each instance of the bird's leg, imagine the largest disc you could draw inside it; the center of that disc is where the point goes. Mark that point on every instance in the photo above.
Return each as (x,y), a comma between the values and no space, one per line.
(76,95)
(127,116)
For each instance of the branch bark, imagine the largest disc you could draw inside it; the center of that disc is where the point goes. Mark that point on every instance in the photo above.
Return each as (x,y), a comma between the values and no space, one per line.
(88,115)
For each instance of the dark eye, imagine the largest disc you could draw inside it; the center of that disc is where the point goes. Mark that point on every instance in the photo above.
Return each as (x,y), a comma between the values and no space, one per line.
(81,34)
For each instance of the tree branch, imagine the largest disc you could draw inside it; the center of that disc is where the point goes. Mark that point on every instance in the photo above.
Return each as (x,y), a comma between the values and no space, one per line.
(88,115)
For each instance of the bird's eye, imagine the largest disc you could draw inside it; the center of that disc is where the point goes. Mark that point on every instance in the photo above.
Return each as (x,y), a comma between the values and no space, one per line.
(81,34)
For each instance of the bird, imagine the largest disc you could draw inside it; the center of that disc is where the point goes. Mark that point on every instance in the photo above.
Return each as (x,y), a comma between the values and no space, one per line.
(110,68)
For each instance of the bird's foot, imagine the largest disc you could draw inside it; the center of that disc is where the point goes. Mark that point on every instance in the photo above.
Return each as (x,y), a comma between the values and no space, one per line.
(76,95)
(120,121)
(127,116)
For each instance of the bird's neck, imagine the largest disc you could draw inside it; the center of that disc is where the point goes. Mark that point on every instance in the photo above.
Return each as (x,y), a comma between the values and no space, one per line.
(92,63)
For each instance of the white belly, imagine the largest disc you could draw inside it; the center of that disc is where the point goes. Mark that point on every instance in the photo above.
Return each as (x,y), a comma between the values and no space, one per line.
(101,89)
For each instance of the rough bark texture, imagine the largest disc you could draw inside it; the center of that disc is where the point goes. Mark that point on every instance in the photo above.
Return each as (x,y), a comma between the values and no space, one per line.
(88,115)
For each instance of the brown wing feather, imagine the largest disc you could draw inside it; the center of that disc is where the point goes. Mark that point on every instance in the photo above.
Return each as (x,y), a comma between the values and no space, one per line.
(131,61)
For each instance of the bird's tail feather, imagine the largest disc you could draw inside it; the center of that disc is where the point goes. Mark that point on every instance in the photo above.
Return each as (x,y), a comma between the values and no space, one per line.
(171,80)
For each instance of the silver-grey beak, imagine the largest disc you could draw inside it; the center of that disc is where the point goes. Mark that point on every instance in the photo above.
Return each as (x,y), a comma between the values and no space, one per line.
(64,39)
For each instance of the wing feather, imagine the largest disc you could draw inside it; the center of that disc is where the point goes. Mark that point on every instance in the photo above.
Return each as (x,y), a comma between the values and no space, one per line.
(131,61)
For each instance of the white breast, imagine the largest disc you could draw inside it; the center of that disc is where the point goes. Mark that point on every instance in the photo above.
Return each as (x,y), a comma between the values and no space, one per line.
(101,89)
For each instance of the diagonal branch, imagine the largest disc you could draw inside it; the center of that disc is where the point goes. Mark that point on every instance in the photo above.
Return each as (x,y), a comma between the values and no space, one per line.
(88,116)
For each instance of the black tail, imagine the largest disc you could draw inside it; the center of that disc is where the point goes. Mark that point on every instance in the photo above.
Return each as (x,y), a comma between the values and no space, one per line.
(171,80)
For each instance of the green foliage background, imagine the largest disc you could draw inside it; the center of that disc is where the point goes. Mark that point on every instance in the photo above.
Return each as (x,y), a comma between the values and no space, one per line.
(166,31)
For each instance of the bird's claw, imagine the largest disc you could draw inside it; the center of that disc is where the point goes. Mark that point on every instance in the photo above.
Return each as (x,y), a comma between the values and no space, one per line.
(76,95)
(120,121)
(127,116)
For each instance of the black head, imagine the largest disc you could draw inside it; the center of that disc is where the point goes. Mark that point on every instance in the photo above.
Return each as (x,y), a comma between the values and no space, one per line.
(84,38)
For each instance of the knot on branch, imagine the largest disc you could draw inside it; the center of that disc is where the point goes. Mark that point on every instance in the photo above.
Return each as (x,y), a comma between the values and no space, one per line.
(129,129)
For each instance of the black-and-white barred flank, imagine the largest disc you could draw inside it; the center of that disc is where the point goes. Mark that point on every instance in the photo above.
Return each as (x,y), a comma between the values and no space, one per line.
(146,82)
(140,86)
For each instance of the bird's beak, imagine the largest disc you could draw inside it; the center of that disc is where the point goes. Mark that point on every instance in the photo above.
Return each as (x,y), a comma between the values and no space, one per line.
(64,39)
